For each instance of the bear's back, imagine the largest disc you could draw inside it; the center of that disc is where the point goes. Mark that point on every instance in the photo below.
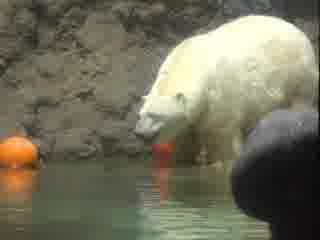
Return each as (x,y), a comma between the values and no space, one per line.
(252,39)
(261,52)
(181,67)
(244,35)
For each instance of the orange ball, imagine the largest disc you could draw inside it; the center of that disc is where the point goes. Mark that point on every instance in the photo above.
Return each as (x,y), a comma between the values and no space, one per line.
(16,152)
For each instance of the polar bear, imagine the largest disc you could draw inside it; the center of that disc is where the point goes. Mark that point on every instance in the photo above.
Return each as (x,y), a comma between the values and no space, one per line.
(212,88)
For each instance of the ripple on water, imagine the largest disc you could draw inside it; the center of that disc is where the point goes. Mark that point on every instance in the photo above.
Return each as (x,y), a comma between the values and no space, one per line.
(124,203)
(215,218)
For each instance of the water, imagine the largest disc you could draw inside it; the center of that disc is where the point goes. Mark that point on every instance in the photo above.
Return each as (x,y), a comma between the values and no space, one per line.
(131,200)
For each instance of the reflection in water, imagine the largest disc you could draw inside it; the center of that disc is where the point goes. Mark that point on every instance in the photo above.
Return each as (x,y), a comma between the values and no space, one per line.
(193,207)
(129,201)
(16,190)
(83,201)
(161,171)
(17,184)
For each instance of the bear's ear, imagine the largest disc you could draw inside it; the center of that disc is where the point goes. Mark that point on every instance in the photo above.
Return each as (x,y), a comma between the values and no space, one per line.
(181,98)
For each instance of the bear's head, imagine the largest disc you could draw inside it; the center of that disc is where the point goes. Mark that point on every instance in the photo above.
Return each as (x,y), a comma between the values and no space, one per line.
(161,118)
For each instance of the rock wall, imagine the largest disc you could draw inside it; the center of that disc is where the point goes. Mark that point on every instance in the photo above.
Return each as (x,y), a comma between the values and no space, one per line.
(71,72)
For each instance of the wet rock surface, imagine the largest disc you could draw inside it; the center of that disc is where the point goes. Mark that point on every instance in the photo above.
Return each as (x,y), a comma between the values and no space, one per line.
(72,72)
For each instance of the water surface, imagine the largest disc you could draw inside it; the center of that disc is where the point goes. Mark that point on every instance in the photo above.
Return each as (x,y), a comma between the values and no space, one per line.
(130,200)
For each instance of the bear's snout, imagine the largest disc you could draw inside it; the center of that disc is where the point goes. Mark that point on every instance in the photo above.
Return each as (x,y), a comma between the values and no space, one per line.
(146,137)
(144,130)
(138,132)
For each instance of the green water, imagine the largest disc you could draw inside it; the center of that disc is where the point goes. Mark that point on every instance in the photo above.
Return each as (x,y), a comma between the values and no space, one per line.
(87,201)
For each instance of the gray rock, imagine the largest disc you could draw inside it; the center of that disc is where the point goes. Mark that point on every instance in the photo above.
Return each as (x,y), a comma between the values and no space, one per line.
(17,30)
(101,32)
(55,8)
(75,144)
(297,8)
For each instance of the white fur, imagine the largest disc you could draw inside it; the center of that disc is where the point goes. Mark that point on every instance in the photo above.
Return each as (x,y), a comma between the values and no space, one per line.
(229,78)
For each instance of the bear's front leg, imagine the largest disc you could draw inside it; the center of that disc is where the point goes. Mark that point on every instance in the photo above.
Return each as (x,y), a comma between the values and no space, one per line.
(237,142)
(223,149)
(187,148)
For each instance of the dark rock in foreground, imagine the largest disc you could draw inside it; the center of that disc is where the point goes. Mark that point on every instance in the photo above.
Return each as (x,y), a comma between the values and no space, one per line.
(273,179)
